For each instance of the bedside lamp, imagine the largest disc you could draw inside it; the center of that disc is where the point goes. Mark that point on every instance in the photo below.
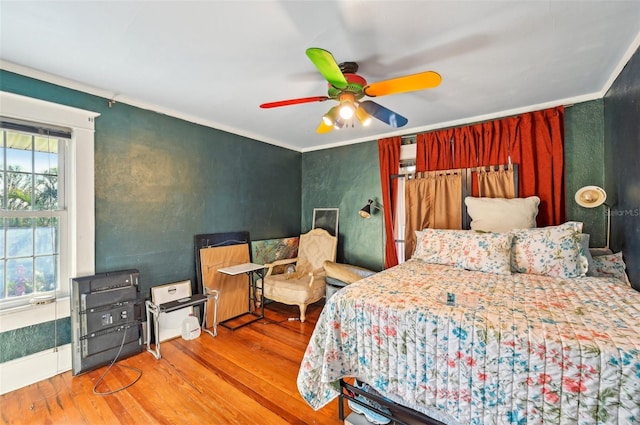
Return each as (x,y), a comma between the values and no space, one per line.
(365,212)
(592,197)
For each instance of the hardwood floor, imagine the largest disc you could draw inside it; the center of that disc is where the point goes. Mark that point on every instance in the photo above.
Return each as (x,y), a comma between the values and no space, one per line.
(247,376)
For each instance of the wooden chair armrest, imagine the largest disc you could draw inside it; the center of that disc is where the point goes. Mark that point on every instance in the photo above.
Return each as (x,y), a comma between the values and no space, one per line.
(270,266)
(312,276)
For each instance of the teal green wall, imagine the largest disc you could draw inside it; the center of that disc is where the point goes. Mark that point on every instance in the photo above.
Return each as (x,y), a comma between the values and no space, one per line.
(346,178)
(584,164)
(33,339)
(159,181)
(622,153)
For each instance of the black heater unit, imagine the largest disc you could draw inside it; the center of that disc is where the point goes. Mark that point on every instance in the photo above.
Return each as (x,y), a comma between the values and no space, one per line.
(105,319)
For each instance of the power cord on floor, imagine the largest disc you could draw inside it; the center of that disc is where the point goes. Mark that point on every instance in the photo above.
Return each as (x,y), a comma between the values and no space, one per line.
(277,322)
(95,387)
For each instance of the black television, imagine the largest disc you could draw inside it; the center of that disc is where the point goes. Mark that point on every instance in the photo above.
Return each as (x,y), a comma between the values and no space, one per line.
(106,319)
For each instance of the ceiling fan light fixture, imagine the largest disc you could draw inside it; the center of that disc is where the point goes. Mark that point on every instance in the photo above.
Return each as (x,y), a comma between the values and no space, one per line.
(363,117)
(330,117)
(347,107)
(346,110)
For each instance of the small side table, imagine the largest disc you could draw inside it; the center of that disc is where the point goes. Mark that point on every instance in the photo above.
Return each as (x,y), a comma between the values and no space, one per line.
(250,269)
(155,310)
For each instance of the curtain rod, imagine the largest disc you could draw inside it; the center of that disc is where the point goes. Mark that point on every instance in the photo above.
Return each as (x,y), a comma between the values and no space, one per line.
(455,170)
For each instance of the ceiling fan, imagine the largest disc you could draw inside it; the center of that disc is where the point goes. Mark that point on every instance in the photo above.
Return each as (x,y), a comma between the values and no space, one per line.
(348,88)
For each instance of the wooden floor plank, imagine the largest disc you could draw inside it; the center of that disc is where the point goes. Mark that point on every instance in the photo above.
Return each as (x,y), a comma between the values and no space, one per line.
(246,376)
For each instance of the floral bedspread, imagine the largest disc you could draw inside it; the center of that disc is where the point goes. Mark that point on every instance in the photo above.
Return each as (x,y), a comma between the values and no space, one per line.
(512,350)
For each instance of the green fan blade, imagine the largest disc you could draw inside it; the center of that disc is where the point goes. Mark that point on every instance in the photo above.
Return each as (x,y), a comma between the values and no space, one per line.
(326,64)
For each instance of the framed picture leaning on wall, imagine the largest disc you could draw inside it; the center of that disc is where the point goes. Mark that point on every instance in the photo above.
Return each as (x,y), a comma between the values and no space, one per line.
(327,219)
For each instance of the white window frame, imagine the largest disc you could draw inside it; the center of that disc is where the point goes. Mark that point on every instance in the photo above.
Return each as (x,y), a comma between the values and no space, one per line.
(60,213)
(78,241)
(407,154)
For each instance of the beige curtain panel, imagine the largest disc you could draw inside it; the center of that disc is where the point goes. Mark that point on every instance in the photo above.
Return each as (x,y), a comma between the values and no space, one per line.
(498,183)
(434,200)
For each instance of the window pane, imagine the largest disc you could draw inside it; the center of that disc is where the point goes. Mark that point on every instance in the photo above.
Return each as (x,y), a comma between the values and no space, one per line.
(46,155)
(2,198)
(28,256)
(46,273)
(19,152)
(19,277)
(2,134)
(46,192)
(19,191)
(2,296)
(19,237)
(46,236)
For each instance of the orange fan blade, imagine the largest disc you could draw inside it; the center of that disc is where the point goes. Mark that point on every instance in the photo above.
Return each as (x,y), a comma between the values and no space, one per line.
(421,81)
(324,128)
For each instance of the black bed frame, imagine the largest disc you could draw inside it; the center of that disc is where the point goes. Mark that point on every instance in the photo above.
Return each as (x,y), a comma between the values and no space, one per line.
(400,414)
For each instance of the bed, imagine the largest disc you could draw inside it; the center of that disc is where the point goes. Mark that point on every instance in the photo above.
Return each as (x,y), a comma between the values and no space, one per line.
(531,341)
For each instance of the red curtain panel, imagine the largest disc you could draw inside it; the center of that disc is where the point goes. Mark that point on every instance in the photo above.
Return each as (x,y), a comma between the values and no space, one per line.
(389,157)
(532,140)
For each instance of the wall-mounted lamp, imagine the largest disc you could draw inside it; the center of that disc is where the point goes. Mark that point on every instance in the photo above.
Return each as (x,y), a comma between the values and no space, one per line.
(592,197)
(365,212)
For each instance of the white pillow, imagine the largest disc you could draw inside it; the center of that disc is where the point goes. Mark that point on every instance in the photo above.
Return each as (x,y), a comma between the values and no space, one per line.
(502,214)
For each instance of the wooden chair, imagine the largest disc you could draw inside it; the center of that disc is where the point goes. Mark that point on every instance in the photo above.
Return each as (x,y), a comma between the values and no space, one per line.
(306,284)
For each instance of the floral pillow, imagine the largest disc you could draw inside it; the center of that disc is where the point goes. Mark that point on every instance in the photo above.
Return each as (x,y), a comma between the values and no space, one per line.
(611,266)
(550,251)
(486,252)
(465,249)
(438,246)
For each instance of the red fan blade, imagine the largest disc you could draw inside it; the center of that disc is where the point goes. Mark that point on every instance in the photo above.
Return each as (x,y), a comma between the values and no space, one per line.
(294,101)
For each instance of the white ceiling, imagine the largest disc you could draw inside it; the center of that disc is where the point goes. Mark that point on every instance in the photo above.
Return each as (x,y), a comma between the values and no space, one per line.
(214,62)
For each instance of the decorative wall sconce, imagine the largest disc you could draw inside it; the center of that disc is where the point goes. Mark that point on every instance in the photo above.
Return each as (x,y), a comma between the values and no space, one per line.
(592,197)
(366,212)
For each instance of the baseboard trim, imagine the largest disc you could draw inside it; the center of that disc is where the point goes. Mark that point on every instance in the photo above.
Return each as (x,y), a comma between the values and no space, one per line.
(28,370)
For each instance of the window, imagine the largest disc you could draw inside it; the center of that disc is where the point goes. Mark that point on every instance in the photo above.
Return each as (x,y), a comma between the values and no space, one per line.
(32,203)
(46,204)
(407,166)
